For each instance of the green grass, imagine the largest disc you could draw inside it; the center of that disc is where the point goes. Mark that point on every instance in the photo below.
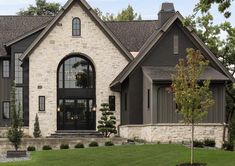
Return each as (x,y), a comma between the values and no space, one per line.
(143,155)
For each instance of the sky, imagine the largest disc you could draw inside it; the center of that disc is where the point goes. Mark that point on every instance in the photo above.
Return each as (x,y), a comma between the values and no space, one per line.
(147,8)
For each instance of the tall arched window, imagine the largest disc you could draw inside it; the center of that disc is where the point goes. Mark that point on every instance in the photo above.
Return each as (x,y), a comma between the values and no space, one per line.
(76,27)
(76,72)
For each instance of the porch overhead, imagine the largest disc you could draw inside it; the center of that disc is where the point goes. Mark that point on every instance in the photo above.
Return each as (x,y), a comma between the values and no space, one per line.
(164,73)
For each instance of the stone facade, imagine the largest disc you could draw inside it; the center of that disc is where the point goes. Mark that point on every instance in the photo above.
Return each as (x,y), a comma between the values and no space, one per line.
(44,61)
(175,133)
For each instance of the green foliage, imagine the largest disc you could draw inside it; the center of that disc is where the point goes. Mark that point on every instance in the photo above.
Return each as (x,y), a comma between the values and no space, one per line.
(15,132)
(94,144)
(209,142)
(107,122)
(192,96)
(46,147)
(79,145)
(64,146)
(127,14)
(37,131)
(109,143)
(228,146)
(42,8)
(198,144)
(31,148)
(193,99)
(223,6)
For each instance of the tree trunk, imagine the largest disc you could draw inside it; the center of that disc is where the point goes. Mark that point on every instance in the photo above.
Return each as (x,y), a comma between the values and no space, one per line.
(192,148)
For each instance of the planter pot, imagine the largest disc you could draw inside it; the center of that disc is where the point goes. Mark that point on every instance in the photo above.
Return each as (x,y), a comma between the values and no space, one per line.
(16,154)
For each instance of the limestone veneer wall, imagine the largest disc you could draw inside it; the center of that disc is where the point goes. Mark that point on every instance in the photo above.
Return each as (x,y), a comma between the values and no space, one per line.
(175,133)
(44,61)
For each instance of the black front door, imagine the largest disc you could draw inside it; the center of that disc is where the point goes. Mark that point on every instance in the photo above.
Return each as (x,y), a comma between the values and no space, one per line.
(75,114)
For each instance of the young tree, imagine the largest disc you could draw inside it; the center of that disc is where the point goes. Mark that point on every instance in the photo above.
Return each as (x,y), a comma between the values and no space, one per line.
(107,122)
(15,132)
(37,131)
(42,8)
(192,96)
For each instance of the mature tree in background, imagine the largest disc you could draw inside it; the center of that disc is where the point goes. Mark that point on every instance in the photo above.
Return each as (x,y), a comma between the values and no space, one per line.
(223,46)
(192,96)
(42,8)
(127,14)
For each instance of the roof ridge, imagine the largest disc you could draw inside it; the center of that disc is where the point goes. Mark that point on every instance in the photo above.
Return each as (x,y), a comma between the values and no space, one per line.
(23,16)
(132,21)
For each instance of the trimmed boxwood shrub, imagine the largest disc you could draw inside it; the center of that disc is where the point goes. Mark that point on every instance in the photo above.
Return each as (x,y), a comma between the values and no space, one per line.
(228,146)
(93,144)
(46,147)
(64,146)
(79,145)
(109,143)
(31,148)
(198,144)
(209,142)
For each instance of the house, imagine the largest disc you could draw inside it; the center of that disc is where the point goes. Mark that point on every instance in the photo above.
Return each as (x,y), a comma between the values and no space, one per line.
(64,67)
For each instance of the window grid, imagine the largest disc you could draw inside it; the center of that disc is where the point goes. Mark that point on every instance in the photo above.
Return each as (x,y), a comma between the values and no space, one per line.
(18,69)
(76,29)
(6,69)
(41,103)
(6,110)
(19,99)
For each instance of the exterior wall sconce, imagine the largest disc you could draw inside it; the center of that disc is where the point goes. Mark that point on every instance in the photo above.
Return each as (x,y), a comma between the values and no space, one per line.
(94,108)
(58,109)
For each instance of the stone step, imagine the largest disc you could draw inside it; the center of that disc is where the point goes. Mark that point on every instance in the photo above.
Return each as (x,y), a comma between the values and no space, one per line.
(76,134)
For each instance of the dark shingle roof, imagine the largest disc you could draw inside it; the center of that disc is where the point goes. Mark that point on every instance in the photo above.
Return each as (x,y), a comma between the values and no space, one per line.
(133,34)
(12,27)
(164,73)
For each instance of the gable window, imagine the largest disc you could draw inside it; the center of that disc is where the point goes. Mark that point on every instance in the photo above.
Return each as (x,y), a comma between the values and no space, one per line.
(76,27)
(176,44)
(41,103)
(6,110)
(6,69)
(18,69)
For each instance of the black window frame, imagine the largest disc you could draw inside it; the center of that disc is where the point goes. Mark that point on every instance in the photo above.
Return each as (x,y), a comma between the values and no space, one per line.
(3,69)
(41,104)
(3,109)
(112,102)
(148,98)
(20,76)
(176,44)
(76,31)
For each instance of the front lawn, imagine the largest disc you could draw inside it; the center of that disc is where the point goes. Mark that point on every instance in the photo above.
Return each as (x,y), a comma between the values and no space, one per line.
(143,155)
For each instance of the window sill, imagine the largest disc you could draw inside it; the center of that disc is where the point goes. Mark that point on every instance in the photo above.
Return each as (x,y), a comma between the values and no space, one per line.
(76,36)
(42,112)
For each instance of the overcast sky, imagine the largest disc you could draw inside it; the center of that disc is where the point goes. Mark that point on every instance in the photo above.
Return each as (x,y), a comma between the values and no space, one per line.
(147,8)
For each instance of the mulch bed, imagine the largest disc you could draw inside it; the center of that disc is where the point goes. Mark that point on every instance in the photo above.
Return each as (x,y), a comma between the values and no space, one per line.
(195,164)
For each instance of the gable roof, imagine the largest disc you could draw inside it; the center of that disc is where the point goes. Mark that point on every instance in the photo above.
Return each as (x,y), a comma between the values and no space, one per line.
(156,36)
(11,27)
(93,15)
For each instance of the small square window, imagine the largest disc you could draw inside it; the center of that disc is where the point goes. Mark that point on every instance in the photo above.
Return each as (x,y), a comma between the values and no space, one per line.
(41,103)
(6,110)
(112,103)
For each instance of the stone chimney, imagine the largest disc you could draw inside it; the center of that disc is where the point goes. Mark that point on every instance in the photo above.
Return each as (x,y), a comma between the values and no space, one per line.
(166,12)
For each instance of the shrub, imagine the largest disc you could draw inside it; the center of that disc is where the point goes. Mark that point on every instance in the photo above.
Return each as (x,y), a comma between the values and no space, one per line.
(46,147)
(138,140)
(37,131)
(158,142)
(198,144)
(229,146)
(109,143)
(93,144)
(64,146)
(209,142)
(79,145)
(31,148)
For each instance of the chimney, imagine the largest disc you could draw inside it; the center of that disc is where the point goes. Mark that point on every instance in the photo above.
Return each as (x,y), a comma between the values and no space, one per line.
(166,12)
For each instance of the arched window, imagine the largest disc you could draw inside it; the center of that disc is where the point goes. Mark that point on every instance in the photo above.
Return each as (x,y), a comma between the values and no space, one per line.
(76,27)
(76,72)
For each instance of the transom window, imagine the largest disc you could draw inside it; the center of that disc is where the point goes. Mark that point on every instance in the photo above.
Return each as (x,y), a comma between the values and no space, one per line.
(76,72)
(76,27)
